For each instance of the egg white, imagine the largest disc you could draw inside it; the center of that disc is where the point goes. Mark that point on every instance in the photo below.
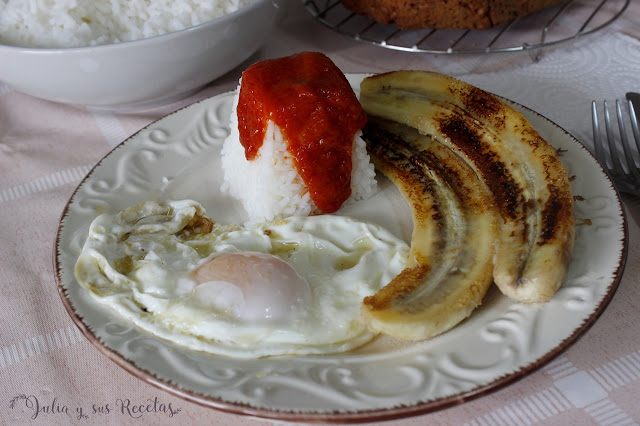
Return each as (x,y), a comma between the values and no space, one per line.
(144,262)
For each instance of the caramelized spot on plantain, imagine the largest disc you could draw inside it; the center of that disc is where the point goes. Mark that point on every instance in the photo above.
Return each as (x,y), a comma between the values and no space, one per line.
(506,191)
(558,208)
(451,177)
(557,211)
(391,150)
(483,105)
(550,216)
(402,285)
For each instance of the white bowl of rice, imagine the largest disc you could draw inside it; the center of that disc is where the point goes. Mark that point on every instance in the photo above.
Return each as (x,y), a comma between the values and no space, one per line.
(126,54)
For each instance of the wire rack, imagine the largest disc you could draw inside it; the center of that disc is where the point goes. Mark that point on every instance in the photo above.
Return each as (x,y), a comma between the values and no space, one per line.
(563,22)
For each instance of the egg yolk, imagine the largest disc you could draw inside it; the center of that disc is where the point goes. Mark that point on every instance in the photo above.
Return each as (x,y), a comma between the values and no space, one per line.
(251,286)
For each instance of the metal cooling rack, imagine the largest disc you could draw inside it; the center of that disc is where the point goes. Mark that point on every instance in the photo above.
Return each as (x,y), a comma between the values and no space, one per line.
(563,22)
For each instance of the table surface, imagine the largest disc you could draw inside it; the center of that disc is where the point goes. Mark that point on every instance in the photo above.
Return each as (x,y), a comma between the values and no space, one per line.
(46,149)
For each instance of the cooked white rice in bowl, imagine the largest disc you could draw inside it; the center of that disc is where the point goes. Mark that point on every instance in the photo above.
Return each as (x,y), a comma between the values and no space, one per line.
(131,75)
(79,23)
(270,187)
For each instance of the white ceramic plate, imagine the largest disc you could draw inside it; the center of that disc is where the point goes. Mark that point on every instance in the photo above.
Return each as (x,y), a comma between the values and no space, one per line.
(177,157)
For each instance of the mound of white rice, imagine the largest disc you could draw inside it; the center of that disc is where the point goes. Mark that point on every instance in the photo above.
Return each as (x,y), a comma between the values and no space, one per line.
(270,186)
(77,23)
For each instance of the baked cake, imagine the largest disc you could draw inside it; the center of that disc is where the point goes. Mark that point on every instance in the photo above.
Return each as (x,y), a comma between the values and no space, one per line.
(445,14)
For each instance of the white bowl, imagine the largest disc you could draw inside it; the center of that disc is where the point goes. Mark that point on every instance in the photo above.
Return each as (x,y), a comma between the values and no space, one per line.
(143,73)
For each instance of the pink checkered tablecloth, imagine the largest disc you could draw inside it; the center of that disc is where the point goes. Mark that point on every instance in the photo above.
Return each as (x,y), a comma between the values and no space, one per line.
(51,374)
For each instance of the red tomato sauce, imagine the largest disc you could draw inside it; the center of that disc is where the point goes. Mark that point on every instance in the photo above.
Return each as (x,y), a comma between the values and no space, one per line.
(311,101)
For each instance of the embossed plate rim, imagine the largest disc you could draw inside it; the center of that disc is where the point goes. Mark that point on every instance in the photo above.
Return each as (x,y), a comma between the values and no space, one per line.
(71,294)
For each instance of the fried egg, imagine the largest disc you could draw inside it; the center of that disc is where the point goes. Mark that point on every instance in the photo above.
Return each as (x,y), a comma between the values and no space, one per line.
(289,286)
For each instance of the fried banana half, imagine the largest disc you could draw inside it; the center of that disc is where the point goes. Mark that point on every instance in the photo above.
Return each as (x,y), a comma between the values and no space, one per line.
(528,185)
(449,268)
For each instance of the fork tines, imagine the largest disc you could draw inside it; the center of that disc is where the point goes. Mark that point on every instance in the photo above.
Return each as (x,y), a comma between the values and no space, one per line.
(623,169)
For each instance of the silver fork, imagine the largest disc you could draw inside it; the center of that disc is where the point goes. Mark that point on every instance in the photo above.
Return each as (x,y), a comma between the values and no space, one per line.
(623,171)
